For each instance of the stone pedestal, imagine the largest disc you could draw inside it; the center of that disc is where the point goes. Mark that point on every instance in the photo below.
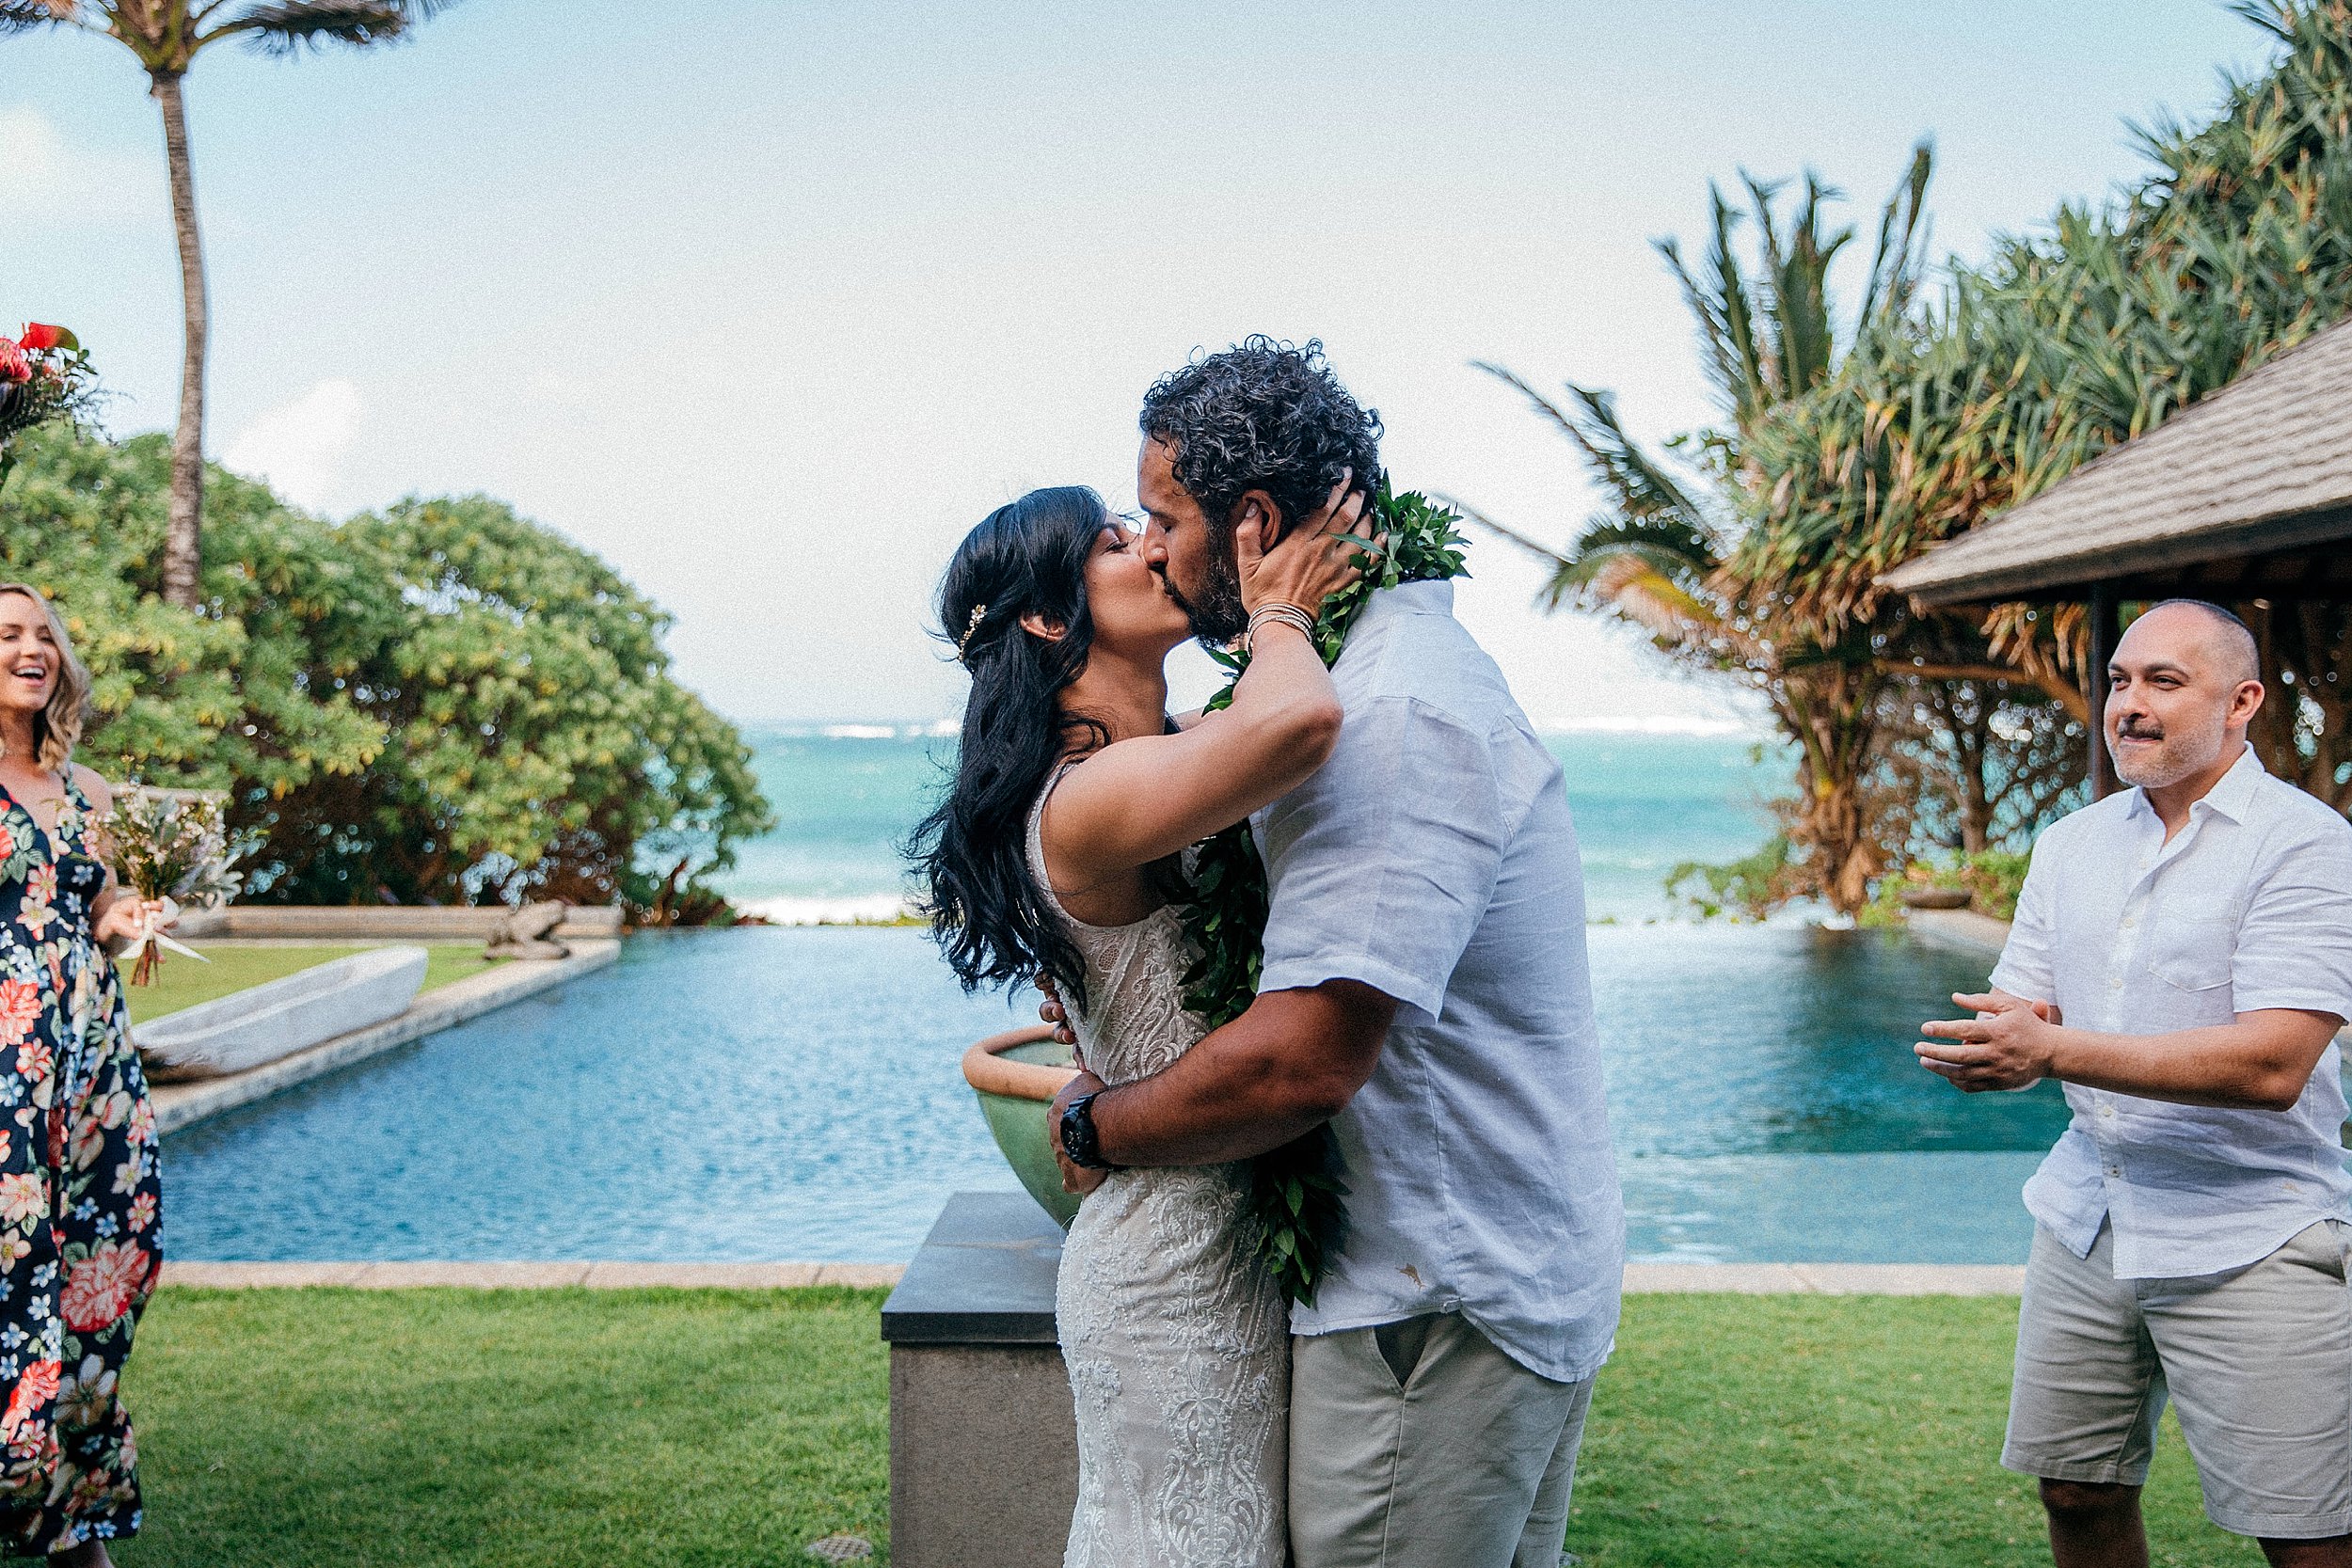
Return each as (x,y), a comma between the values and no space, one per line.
(983,1448)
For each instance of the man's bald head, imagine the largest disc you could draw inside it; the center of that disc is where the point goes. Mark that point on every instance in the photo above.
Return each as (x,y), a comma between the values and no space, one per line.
(2185,682)
(2236,655)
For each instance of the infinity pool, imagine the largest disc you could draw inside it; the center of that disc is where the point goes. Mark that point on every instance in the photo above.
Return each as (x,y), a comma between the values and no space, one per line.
(780,1093)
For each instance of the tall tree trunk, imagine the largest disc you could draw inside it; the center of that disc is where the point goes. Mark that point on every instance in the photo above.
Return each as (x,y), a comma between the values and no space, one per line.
(183,539)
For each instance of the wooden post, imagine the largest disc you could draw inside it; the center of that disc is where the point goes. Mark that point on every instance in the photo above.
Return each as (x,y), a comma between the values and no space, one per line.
(2105,631)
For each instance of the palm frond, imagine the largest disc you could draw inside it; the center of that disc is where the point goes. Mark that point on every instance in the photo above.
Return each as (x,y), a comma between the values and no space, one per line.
(1527,542)
(1669,544)
(23,16)
(285,27)
(1636,483)
(1799,272)
(1717,299)
(1902,236)
(1650,599)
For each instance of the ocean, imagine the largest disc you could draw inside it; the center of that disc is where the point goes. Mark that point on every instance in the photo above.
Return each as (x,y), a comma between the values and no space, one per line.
(846,796)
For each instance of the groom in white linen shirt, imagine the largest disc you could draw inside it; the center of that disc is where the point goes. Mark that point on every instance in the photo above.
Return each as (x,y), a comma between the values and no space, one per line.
(2182,959)
(1425,992)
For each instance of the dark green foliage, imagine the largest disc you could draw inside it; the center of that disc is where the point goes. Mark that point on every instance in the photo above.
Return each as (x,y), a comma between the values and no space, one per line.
(1749,888)
(1296,1190)
(444,702)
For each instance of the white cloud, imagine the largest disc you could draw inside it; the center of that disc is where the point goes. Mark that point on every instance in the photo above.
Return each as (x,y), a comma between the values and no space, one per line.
(47,182)
(299,447)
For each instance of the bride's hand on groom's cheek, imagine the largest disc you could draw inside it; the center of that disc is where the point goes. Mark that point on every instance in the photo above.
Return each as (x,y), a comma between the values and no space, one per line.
(1313,562)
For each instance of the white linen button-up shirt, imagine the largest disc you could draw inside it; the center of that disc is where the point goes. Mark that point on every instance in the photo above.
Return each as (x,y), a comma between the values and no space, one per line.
(2248,908)
(1433,859)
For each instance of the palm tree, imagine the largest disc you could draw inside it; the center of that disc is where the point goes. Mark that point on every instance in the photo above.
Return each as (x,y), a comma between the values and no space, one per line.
(167,35)
(1666,555)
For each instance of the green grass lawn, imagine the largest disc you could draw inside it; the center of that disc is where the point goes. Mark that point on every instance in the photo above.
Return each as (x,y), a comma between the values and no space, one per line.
(576,1428)
(183,982)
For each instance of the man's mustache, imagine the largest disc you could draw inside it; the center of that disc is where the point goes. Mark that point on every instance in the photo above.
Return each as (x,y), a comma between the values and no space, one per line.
(2129,731)
(1167,585)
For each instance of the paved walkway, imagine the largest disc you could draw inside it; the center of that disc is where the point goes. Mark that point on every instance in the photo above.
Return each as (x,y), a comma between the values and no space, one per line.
(1752,1279)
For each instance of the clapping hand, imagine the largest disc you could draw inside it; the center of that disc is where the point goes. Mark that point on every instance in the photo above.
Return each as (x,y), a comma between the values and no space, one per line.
(2005,1046)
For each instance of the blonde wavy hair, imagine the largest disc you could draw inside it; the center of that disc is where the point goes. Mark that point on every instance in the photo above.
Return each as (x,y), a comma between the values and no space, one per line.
(58,728)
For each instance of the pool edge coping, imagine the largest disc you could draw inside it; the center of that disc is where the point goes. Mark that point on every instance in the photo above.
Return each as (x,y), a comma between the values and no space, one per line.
(1751,1279)
(179,1106)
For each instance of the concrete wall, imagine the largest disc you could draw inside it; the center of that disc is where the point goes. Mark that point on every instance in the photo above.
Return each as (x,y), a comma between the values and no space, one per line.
(983,1456)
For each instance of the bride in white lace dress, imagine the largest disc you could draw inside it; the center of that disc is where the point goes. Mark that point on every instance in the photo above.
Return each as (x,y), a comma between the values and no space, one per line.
(1053,857)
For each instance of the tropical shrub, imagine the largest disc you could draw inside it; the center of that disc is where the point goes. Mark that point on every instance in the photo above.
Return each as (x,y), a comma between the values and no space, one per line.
(1992,879)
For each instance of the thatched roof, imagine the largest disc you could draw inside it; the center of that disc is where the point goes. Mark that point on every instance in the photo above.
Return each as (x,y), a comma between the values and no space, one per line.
(2247,494)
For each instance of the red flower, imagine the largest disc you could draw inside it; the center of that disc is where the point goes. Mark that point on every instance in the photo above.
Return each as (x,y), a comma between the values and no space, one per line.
(14,367)
(39,337)
(98,1290)
(20,1009)
(36,1387)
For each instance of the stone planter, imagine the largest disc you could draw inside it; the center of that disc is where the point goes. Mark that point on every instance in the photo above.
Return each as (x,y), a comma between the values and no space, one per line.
(1933,897)
(258,1026)
(1016,1075)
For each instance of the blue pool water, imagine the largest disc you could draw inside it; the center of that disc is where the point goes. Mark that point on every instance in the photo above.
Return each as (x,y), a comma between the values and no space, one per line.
(794,1094)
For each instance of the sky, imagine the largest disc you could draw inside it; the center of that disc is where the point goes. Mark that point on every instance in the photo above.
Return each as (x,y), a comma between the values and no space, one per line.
(767,301)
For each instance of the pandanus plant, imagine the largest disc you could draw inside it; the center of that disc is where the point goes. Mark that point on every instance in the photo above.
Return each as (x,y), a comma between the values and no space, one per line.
(1666,554)
(167,35)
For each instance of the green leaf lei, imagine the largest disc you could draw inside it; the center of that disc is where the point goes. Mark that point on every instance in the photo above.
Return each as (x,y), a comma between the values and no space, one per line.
(1296,1191)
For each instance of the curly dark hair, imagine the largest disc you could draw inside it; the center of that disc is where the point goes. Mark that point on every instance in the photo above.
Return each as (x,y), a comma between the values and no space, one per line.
(1262,415)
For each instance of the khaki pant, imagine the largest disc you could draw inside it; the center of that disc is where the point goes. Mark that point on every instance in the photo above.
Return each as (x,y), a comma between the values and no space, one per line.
(2257,1361)
(1420,1445)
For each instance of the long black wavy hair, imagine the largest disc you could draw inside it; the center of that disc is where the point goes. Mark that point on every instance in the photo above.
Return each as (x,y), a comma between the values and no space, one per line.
(986,912)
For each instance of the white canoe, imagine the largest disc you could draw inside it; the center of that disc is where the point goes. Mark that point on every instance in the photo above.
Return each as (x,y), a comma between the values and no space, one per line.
(258,1026)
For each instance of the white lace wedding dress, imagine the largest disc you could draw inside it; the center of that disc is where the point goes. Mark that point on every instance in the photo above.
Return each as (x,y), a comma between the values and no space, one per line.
(1177,1341)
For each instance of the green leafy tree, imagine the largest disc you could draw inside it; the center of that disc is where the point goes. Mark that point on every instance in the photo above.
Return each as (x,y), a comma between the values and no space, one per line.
(442,702)
(537,741)
(167,35)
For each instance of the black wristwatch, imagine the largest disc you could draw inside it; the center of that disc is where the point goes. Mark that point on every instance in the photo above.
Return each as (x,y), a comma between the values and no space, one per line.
(1080,1144)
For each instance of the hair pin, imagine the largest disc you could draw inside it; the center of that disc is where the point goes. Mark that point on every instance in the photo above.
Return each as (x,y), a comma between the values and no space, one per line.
(980,612)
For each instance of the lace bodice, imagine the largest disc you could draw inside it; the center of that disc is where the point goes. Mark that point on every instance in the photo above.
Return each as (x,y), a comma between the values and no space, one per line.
(1133,1022)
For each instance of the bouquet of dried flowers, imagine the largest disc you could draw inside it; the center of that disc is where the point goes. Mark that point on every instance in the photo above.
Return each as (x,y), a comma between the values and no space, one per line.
(1296,1196)
(172,844)
(44,374)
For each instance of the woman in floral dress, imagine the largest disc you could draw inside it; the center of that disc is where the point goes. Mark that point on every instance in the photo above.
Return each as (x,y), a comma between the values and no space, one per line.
(78,1192)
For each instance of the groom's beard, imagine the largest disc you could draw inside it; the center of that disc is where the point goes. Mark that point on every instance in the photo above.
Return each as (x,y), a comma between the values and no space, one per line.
(1219,615)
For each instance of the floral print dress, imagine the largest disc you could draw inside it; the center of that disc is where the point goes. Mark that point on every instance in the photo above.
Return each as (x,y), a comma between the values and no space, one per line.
(79,1237)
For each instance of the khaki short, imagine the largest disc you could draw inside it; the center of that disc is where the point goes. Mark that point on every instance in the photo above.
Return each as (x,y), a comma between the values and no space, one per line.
(2257,1362)
(1420,1445)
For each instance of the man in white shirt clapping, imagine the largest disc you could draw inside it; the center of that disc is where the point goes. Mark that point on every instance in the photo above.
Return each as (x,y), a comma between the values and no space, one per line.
(2181,960)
